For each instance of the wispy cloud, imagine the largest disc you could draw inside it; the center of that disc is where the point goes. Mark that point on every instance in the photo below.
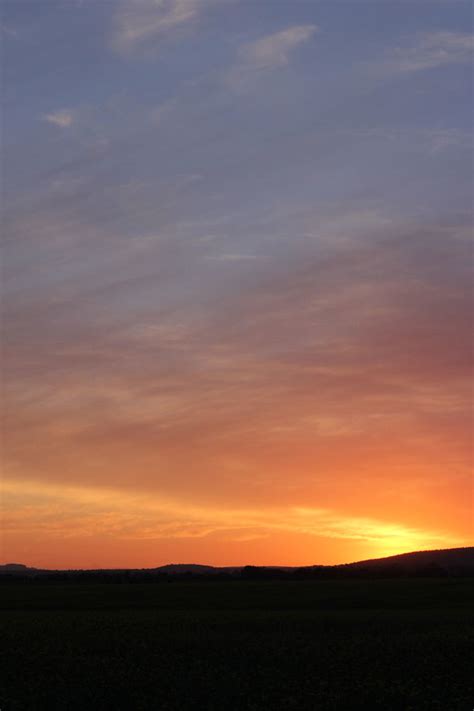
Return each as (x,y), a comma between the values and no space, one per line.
(269,52)
(64,118)
(430,50)
(139,22)
(273,50)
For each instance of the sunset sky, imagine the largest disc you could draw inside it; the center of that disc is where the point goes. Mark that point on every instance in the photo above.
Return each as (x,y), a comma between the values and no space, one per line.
(236,280)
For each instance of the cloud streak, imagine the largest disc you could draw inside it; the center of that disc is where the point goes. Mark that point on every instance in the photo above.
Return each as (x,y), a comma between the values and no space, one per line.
(431,50)
(63,118)
(268,53)
(140,23)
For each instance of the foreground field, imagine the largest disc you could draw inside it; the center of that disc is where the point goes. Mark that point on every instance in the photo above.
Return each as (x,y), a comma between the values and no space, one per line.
(393,644)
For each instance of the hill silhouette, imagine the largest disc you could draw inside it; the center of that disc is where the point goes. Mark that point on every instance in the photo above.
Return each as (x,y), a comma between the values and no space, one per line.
(453,561)
(450,558)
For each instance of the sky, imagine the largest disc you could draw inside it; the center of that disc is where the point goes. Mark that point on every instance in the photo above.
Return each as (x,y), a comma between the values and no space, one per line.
(237,310)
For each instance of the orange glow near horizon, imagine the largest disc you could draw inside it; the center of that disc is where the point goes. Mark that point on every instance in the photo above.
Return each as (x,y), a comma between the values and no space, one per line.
(98,528)
(252,484)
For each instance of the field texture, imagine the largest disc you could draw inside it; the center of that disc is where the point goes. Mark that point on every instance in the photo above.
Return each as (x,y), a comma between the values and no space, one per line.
(224,646)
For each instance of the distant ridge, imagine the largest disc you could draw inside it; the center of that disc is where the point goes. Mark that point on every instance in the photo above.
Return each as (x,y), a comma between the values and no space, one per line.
(444,561)
(180,568)
(445,557)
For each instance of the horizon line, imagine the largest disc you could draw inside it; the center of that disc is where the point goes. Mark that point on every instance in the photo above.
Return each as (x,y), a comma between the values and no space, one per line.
(245,565)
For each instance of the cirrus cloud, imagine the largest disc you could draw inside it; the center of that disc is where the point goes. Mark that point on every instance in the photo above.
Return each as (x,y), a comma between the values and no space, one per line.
(63,118)
(139,22)
(269,52)
(430,50)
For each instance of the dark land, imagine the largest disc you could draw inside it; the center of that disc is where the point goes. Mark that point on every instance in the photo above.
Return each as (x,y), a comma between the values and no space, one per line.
(377,636)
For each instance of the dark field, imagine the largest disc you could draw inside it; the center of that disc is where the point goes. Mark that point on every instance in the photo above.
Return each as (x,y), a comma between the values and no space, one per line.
(222,646)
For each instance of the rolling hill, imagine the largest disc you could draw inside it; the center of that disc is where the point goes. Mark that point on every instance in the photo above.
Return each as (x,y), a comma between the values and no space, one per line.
(446,561)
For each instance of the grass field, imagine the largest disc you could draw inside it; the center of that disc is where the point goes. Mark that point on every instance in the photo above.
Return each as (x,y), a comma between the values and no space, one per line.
(223,646)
